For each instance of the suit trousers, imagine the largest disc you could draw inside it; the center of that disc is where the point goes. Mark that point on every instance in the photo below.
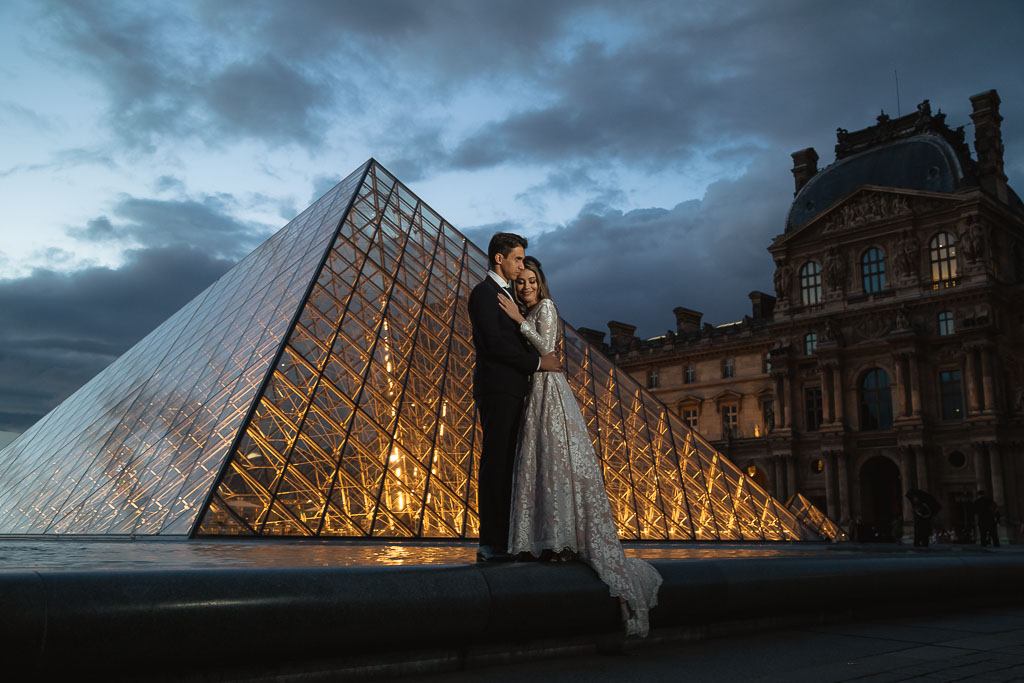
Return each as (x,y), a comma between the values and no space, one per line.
(500,415)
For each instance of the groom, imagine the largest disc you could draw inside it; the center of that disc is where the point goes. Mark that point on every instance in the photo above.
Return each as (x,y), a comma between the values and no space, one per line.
(501,380)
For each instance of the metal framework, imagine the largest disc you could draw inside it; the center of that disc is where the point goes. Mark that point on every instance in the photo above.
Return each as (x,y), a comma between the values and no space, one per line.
(323,387)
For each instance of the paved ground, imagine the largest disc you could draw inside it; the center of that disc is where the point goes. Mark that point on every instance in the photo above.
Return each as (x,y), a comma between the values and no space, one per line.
(982,645)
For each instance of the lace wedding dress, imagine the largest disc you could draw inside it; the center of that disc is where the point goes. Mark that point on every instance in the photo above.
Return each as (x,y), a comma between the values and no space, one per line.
(559,500)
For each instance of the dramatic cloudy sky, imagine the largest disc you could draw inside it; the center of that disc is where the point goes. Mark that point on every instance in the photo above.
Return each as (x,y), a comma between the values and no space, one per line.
(643,147)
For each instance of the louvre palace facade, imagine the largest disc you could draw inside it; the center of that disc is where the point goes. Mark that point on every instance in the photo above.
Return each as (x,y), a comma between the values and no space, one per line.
(891,355)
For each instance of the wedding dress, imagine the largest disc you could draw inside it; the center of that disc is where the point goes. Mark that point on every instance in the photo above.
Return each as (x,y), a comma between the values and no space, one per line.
(559,500)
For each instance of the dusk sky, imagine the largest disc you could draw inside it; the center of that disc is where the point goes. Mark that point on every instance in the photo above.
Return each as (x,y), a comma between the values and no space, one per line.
(643,147)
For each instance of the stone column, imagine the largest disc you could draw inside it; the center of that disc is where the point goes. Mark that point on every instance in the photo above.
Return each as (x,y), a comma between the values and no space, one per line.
(787,391)
(971,379)
(915,385)
(837,382)
(827,394)
(998,488)
(900,361)
(781,410)
(843,480)
(906,470)
(979,455)
(988,379)
(791,474)
(780,482)
(831,497)
(922,467)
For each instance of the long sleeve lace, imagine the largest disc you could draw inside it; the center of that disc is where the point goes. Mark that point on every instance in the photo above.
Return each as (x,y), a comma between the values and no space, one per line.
(542,334)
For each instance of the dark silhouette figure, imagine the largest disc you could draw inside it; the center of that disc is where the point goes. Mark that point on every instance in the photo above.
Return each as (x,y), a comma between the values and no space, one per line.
(987,513)
(923,514)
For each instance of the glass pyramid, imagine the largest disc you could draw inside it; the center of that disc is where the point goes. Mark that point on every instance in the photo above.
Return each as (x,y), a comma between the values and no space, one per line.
(808,513)
(322,387)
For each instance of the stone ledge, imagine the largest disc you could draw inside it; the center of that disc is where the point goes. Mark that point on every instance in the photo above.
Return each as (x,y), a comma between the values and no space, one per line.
(243,624)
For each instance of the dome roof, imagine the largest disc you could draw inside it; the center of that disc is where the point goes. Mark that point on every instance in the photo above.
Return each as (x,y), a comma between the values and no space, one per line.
(922,162)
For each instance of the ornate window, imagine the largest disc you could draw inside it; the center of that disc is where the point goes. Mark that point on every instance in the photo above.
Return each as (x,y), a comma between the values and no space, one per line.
(689,374)
(728,368)
(690,417)
(946,323)
(872,268)
(652,378)
(810,343)
(813,413)
(810,284)
(875,400)
(952,395)
(942,253)
(730,420)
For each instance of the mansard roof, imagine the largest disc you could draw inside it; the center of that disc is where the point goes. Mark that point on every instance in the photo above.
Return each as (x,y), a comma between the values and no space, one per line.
(914,152)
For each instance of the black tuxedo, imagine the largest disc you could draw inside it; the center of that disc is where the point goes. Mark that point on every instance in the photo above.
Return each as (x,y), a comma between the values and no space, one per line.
(501,379)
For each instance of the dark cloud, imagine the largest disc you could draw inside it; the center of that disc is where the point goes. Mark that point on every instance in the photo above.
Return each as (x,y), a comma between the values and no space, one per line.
(781,73)
(154,224)
(168,183)
(57,330)
(637,266)
(166,78)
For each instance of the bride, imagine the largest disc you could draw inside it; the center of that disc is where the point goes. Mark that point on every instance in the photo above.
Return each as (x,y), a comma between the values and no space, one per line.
(560,507)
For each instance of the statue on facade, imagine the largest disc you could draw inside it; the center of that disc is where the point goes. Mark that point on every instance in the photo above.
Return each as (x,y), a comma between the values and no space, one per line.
(835,269)
(783,280)
(906,256)
(831,331)
(902,320)
(971,239)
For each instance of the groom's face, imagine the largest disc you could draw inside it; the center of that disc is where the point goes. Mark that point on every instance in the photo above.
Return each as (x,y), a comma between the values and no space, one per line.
(510,266)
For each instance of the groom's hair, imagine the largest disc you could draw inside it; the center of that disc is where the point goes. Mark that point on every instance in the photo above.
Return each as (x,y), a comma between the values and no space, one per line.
(503,243)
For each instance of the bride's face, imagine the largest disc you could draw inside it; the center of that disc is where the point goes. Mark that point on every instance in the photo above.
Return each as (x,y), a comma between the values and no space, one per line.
(526,287)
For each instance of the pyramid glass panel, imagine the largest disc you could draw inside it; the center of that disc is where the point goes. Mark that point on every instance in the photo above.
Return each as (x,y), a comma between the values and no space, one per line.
(323,387)
(808,513)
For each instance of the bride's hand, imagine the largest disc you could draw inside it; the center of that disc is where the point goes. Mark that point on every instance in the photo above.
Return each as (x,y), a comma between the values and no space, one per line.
(510,308)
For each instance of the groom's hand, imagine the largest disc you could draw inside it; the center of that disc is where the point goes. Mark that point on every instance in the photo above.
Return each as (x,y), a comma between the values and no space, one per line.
(549,363)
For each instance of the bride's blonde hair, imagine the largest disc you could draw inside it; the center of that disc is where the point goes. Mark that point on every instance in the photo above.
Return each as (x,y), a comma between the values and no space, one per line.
(532,264)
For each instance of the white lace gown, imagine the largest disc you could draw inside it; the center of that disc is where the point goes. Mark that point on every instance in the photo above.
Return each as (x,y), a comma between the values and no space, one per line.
(558,497)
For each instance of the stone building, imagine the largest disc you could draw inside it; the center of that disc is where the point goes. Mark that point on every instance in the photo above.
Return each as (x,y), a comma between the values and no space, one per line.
(891,356)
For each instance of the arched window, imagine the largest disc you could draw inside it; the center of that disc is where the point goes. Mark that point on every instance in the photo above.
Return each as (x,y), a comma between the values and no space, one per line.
(875,401)
(810,284)
(872,268)
(810,343)
(946,323)
(942,253)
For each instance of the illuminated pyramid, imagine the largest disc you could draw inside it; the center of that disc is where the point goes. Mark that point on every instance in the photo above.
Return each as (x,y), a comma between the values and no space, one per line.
(322,387)
(808,513)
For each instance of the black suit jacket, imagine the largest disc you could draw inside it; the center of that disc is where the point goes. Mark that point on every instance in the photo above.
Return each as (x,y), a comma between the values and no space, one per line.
(504,359)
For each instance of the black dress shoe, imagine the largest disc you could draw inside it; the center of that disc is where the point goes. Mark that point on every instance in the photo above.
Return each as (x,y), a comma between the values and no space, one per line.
(486,553)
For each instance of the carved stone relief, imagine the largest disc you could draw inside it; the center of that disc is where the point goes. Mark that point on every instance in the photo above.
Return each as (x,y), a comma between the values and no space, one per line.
(868,207)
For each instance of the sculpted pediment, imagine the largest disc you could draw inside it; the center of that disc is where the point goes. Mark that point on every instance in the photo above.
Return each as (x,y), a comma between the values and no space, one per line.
(867,205)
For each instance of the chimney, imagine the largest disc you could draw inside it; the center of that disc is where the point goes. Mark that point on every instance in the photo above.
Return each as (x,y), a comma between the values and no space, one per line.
(687,321)
(988,144)
(805,165)
(764,305)
(593,337)
(621,334)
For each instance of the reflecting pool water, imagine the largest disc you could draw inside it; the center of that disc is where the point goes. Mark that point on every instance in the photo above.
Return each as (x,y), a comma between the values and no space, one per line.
(78,554)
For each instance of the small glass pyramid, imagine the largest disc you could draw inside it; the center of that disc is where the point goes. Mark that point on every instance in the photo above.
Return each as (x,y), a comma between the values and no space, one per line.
(323,387)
